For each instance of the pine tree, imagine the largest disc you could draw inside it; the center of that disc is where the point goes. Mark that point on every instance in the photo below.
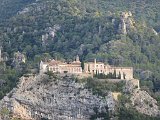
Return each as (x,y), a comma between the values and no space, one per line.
(119,76)
(124,76)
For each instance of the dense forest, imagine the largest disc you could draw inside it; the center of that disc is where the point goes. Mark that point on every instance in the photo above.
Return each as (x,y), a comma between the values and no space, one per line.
(9,8)
(61,29)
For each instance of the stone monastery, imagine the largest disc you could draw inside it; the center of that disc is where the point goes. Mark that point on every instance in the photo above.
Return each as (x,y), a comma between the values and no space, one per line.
(61,67)
(89,68)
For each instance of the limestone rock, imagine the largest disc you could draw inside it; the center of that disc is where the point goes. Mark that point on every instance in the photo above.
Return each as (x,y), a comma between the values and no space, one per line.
(144,103)
(50,33)
(131,85)
(57,98)
(154,31)
(126,22)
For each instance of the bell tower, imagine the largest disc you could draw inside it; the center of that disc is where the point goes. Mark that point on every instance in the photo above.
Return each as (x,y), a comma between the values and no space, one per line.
(77,59)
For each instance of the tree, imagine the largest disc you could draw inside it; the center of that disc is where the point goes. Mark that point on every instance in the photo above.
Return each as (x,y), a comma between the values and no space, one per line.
(114,75)
(82,65)
(124,76)
(119,76)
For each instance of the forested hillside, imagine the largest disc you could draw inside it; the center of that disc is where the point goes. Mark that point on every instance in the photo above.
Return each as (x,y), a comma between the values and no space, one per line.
(64,28)
(9,8)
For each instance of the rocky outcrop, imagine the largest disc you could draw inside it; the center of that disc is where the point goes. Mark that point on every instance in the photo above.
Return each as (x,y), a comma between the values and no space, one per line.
(154,31)
(56,98)
(19,60)
(144,103)
(60,97)
(126,22)
(50,34)
(140,99)
(131,85)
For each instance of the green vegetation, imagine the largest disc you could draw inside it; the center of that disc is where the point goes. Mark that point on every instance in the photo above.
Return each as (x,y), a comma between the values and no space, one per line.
(86,29)
(102,115)
(122,112)
(9,8)
(108,76)
(101,88)
(10,76)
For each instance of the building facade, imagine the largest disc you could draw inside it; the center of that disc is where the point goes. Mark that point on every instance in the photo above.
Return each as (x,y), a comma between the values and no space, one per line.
(99,67)
(89,68)
(61,67)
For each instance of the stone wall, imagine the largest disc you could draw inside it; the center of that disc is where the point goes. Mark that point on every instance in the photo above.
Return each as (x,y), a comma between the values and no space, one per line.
(61,67)
(125,72)
(99,67)
(92,67)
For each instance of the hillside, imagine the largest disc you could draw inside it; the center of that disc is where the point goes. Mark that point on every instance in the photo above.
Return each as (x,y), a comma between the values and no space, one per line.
(67,28)
(65,97)
(61,29)
(146,9)
(9,8)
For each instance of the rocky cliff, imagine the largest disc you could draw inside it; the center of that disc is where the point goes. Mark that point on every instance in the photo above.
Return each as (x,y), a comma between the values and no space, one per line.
(53,98)
(141,100)
(144,103)
(126,22)
(61,97)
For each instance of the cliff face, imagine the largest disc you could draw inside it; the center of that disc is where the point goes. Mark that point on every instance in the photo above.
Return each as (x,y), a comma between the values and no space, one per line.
(141,100)
(60,97)
(126,22)
(53,98)
(144,103)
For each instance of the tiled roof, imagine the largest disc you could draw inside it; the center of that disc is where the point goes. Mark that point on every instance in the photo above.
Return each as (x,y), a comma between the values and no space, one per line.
(54,62)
